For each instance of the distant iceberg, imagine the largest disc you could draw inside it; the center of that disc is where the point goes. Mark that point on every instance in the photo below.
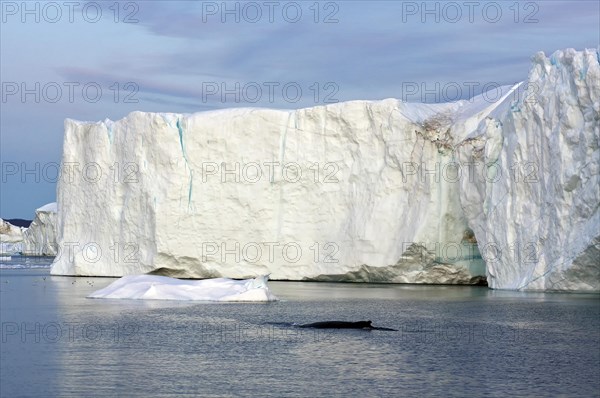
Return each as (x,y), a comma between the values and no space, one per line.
(40,238)
(153,287)
(11,238)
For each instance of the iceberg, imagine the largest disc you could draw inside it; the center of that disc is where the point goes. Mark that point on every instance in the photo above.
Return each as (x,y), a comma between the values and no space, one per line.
(322,193)
(361,191)
(153,287)
(535,216)
(11,238)
(40,238)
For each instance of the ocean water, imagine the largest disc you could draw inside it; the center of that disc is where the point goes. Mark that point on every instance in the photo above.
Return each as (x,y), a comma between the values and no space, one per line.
(451,341)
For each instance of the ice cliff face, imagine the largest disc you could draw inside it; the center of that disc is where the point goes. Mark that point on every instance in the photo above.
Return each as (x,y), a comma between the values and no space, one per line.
(316,193)
(536,215)
(40,238)
(11,238)
(360,191)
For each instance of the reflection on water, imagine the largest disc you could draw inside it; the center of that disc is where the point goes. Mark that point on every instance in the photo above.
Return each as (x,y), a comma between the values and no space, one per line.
(453,341)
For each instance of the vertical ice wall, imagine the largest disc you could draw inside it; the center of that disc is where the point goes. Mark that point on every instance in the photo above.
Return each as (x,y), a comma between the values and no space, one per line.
(323,193)
(355,191)
(536,217)
(40,238)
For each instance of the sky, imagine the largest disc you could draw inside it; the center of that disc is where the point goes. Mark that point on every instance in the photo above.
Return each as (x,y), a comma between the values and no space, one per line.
(96,60)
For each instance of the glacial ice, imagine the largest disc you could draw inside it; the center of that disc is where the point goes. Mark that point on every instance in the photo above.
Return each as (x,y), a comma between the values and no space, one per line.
(153,287)
(366,191)
(537,221)
(37,240)
(11,238)
(40,238)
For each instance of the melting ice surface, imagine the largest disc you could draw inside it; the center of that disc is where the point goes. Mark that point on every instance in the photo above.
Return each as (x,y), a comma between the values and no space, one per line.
(153,287)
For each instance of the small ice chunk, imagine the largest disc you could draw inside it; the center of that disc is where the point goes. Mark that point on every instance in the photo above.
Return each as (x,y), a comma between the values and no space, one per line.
(153,287)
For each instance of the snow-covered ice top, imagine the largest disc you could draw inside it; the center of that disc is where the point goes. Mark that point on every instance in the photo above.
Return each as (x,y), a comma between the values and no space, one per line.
(40,238)
(154,287)
(49,207)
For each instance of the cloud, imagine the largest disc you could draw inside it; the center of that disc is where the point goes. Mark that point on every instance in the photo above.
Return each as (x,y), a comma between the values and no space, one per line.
(178,47)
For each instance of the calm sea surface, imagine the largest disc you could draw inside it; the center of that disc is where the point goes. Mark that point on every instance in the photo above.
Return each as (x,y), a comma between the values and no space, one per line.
(451,341)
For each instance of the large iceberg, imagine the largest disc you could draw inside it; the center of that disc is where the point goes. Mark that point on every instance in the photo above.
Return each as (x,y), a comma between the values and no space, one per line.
(323,193)
(40,238)
(374,191)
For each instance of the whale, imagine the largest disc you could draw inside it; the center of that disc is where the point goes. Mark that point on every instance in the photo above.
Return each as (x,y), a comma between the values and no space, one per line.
(364,325)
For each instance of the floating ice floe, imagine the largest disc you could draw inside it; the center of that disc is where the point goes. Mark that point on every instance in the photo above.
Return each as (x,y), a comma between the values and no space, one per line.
(154,287)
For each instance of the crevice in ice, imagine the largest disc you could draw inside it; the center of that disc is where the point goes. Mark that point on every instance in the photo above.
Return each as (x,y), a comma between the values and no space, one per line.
(109,129)
(584,264)
(532,279)
(190,188)
(190,184)
(180,129)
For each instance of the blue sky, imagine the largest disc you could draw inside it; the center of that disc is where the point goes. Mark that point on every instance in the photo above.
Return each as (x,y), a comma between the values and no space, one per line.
(171,56)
